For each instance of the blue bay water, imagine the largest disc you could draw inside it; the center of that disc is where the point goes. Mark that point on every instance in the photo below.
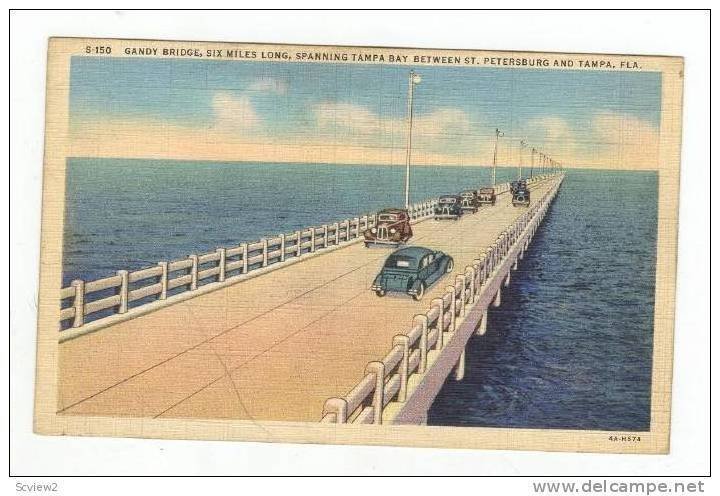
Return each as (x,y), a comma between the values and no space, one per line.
(571,346)
(129,214)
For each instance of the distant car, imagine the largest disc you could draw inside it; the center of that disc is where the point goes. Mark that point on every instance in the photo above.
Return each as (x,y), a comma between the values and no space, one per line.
(392,228)
(412,270)
(469,201)
(486,196)
(448,207)
(516,186)
(521,197)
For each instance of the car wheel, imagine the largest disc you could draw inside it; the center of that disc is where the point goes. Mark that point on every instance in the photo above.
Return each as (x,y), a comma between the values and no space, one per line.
(367,245)
(450,266)
(420,292)
(380,292)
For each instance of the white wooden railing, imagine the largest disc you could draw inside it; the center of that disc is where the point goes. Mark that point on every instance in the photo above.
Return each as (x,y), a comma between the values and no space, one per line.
(386,380)
(91,301)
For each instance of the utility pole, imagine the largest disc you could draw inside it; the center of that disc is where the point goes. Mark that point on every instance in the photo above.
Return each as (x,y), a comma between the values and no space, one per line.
(523,144)
(412,81)
(498,135)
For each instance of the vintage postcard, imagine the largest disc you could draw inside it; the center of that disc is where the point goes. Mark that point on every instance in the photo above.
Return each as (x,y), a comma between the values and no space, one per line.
(389,246)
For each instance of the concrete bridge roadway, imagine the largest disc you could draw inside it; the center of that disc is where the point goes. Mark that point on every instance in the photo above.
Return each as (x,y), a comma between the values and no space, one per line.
(272,347)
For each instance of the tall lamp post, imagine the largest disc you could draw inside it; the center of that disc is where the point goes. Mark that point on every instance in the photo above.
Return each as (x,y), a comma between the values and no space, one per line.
(523,145)
(532,161)
(498,135)
(412,81)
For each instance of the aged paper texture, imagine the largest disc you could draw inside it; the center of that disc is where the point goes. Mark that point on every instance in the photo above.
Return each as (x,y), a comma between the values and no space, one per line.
(437,248)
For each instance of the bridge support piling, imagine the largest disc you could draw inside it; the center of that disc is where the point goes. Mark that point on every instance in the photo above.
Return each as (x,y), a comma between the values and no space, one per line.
(498,298)
(460,367)
(507,279)
(482,324)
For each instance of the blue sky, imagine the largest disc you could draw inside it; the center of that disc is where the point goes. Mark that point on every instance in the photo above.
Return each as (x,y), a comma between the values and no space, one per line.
(285,97)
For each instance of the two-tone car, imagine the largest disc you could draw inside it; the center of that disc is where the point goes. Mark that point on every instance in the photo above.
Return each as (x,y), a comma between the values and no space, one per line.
(486,196)
(469,201)
(448,207)
(391,228)
(521,197)
(412,270)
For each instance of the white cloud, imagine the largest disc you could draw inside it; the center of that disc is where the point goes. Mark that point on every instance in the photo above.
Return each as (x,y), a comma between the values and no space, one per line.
(357,120)
(234,112)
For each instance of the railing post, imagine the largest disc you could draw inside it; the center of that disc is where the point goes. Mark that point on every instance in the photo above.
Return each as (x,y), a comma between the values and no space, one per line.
(79,302)
(461,279)
(299,243)
(356,221)
(377,369)
(193,272)
(422,319)
(440,302)
(403,341)
(336,226)
(264,242)
(312,239)
(163,280)
(123,291)
(282,247)
(244,248)
(475,274)
(336,407)
(325,236)
(221,264)
(452,309)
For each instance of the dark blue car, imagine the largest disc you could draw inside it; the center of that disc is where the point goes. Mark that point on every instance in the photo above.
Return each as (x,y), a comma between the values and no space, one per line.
(412,270)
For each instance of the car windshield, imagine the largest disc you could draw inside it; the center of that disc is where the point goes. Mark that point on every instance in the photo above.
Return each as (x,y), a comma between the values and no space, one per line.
(387,217)
(447,200)
(400,262)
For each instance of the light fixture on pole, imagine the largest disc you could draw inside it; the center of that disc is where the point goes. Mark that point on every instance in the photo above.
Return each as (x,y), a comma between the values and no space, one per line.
(498,135)
(412,81)
(523,144)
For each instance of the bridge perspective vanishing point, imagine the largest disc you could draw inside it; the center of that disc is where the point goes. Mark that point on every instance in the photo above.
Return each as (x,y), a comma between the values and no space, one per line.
(287,328)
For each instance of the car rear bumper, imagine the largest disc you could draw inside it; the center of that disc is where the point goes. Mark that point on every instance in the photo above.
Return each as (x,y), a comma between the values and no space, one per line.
(447,216)
(386,242)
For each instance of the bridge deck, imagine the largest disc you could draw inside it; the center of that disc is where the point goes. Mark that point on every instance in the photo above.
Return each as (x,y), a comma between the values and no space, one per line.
(273,347)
